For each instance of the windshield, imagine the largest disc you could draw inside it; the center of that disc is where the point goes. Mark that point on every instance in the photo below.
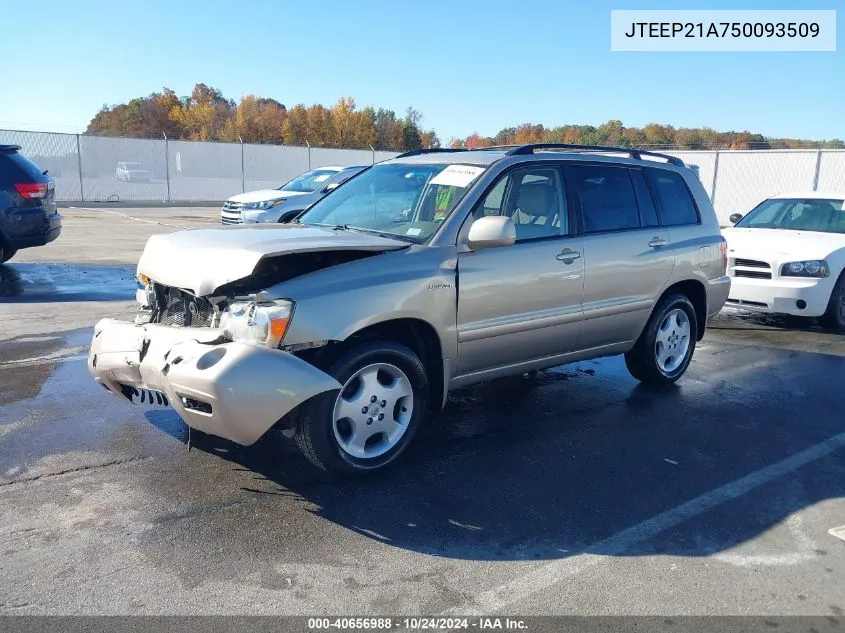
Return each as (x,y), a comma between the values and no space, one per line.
(309,181)
(399,200)
(797,214)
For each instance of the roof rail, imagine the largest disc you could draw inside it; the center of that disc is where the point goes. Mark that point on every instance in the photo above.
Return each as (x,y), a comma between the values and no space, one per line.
(494,147)
(430,150)
(633,152)
(9,148)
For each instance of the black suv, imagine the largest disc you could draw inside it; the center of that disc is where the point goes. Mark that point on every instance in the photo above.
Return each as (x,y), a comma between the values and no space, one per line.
(28,215)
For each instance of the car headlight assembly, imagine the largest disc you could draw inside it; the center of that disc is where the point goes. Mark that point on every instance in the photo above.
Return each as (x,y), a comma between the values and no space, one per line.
(264,204)
(262,323)
(144,290)
(807,268)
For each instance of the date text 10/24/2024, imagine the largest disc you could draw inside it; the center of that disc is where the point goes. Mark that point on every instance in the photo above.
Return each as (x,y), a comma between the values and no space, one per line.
(418,624)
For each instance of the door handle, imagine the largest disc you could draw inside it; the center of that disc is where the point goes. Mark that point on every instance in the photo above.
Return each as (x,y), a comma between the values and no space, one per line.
(657,242)
(567,255)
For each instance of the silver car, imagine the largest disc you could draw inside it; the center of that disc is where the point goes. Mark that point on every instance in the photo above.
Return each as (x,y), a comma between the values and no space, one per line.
(289,200)
(424,273)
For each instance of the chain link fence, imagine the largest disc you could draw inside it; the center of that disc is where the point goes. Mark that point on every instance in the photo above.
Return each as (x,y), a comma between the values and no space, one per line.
(106,169)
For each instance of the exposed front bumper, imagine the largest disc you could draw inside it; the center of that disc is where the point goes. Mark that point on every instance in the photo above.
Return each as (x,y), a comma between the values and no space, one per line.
(781,295)
(231,390)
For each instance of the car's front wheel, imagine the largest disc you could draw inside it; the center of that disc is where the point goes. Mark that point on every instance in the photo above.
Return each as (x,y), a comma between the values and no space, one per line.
(664,350)
(375,415)
(834,317)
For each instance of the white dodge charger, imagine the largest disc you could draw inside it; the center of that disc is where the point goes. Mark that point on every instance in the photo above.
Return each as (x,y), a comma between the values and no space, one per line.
(787,255)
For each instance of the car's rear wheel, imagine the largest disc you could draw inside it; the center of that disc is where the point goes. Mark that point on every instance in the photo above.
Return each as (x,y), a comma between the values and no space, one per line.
(375,415)
(834,317)
(664,350)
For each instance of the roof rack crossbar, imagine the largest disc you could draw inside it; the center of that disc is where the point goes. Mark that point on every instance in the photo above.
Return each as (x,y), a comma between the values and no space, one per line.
(633,152)
(429,150)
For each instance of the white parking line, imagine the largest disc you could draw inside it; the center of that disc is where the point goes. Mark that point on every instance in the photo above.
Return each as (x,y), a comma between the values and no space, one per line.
(144,220)
(545,576)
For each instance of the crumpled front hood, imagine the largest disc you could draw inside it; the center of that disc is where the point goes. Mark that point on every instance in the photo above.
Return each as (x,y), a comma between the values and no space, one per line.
(202,260)
(781,245)
(265,194)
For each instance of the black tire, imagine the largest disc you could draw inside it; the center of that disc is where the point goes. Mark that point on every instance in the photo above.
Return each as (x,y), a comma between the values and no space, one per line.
(315,433)
(834,317)
(6,253)
(641,360)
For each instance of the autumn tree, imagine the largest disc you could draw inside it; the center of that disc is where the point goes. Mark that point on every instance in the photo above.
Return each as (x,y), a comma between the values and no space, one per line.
(256,120)
(364,128)
(295,126)
(429,139)
(207,115)
(204,115)
(611,133)
(351,127)
(474,141)
(528,133)
(389,130)
(144,117)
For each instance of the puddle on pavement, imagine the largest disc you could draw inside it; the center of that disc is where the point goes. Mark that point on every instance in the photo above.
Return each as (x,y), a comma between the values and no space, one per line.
(65,282)
(54,416)
(27,362)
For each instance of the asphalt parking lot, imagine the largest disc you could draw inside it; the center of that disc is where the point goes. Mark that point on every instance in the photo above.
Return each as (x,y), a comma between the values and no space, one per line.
(575,491)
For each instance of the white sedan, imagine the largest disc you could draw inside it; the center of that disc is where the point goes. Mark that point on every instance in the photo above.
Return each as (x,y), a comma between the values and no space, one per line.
(787,256)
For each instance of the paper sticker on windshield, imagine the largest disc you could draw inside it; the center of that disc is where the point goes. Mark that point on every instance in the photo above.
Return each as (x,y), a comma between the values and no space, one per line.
(457,175)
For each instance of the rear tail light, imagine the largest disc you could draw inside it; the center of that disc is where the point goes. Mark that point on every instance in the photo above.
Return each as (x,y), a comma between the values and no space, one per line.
(723,247)
(32,190)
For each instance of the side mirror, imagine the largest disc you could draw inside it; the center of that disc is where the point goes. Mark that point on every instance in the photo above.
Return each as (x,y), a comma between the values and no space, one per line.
(735,217)
(491,231)
(331,187)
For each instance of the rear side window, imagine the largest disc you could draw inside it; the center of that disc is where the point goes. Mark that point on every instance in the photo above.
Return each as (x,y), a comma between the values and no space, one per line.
(15,167)
(674,199)
(648,212)
(607,198)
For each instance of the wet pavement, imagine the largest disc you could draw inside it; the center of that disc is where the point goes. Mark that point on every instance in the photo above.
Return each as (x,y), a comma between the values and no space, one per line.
(573,491)
(30,283)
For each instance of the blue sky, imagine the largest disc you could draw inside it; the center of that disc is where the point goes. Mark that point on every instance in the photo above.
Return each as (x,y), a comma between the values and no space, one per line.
(467,65)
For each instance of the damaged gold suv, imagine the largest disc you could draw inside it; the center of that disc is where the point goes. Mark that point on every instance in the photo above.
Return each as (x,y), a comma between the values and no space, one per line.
(422,274)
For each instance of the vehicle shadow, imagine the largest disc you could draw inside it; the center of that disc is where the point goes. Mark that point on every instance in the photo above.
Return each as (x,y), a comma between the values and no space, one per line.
(762,321)
(47,282)
(548,467)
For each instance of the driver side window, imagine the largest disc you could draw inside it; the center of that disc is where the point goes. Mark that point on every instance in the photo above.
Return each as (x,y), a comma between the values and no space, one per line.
(533,198)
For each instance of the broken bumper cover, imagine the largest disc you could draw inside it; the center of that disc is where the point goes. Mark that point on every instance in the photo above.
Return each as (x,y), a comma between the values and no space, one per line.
(231,390)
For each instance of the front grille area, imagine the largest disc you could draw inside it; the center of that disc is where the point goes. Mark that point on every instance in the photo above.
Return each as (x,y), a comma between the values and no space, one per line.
(751,263)
(751,268)
(742,302)
(231,213)
(177,307)
(752,274)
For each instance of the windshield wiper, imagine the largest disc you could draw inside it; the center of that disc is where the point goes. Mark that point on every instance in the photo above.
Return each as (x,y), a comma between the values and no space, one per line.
(358,229)
(345,227)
